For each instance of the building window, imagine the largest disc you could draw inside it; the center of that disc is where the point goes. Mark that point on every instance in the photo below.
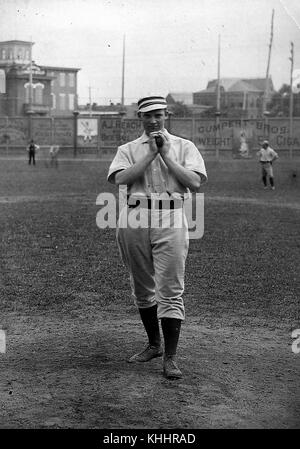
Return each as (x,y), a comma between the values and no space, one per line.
(38,93)
(27,55)
(52,81)
(27,89)
(3,54)
(71,79)
(20,54)
(53,105)
(10,56)
(62,102)
(2,82)
(62,79)
(71,101)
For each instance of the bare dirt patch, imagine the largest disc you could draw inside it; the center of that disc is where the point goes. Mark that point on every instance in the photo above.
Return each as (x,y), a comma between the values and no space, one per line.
(70,323)
(72,373)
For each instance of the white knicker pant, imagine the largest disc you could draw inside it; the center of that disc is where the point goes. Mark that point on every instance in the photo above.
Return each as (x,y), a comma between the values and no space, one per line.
(267,169)
(155,257)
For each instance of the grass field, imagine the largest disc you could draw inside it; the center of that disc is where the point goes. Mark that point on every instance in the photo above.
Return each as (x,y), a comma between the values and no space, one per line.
(70,323)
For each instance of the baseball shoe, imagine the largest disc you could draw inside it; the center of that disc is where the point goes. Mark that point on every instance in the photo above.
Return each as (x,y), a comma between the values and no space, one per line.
(273,188)
(151,352)
(170,368)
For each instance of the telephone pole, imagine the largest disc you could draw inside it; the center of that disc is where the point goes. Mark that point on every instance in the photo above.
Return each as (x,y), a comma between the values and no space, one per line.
(266,93)
(90,100)
(30,76)
(123,72)
(30,100)
(218,83)
(291,58)
(218,103)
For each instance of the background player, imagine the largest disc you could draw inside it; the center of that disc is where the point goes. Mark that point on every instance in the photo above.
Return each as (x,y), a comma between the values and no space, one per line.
(32,149)
(53,153)
(266,157)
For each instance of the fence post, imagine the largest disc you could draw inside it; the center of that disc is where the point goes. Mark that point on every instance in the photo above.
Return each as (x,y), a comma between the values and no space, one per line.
(6,139)
(266,125)
(75,114)
(291,136)
(98,136)
(52,130)
(217,129)
(170,113)
(30,114)
(193,128)
(122,114)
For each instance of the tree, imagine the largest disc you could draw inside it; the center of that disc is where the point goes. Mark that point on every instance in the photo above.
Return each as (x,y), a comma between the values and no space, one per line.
(279,106)
(180,109)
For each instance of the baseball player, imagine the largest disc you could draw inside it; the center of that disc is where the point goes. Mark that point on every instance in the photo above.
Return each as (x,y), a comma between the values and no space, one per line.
(266,157)
(53,153)
(32,149)
(157,164)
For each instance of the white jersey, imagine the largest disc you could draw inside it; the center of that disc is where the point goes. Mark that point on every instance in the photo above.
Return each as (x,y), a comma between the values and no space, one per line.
(267,154)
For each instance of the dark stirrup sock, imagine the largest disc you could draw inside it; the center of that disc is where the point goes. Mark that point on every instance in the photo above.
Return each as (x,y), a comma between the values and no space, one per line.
(151,324)
(171,331)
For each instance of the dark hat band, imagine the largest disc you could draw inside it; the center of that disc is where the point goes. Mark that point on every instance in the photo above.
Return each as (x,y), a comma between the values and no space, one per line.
(151,103)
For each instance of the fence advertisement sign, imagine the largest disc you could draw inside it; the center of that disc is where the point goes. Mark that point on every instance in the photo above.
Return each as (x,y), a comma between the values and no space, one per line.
(116,131)
(87,131)
(237,138)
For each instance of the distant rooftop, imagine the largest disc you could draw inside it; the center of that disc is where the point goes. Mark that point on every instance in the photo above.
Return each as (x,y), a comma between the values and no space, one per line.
(16,42)
(49,67)
(180,97)
(239,85)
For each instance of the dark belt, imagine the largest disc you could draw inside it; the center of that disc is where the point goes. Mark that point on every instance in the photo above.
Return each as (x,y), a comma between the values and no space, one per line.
(154,203)
(266,162)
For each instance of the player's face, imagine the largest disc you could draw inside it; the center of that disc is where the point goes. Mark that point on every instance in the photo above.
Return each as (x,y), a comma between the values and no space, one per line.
(153,120)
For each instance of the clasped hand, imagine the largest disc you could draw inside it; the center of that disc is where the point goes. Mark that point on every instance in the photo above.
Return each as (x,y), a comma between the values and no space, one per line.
(164,149)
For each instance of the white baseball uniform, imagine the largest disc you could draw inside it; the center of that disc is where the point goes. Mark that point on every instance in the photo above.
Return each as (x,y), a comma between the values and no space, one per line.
(155,255)
(266,156)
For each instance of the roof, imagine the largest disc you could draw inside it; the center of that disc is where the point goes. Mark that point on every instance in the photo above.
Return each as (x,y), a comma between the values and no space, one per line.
(87,112)
(241,86)
(48,67)
(238,85)
(180,97)
(16,42)
(259,83)
(207,91)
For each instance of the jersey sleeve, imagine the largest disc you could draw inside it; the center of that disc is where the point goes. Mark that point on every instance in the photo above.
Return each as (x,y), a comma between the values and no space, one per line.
(194,161)
(121,161)
(274,154)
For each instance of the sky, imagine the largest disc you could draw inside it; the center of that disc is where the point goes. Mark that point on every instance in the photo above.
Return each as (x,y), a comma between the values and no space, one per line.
(170,45)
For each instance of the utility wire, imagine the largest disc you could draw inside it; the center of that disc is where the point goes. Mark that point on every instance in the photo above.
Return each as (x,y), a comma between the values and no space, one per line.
(289,14)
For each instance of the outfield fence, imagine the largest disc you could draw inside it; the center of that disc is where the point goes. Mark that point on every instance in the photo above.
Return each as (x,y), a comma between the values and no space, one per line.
(99,136)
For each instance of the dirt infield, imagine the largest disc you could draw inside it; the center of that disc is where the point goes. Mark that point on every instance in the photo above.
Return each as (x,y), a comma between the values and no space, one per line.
(72,373)
(70,322)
